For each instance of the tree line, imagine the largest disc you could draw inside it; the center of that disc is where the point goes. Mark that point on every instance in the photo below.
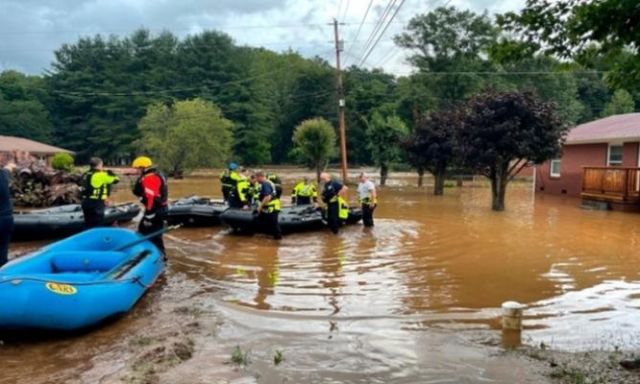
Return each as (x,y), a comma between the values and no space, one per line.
(101,93)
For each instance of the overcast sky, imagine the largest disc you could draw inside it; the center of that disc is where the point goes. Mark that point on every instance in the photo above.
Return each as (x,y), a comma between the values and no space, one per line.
(30,30)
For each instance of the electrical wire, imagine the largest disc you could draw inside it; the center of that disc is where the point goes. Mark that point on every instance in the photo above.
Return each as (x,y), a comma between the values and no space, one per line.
(346,10)
(377,26)
(366,13)
(366,56)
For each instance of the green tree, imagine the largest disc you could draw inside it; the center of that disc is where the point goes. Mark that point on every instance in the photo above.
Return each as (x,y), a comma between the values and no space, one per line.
(549,78)
(502,131)
(22,111)
(569,28)
(366,90)
(450,46)
(621,102)
(186,135)
(431,146)
(384,135)
(315,141)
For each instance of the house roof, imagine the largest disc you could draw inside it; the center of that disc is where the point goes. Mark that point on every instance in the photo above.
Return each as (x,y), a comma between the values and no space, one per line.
(11,144)
(624,127)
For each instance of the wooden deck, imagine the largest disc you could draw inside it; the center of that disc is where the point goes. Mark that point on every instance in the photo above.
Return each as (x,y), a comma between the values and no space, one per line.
(618,186)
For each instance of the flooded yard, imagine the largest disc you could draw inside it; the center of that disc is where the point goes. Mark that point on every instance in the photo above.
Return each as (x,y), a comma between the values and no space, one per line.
(407,301)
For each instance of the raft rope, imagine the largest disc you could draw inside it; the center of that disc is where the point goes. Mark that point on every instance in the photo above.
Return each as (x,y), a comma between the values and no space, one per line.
(19,279)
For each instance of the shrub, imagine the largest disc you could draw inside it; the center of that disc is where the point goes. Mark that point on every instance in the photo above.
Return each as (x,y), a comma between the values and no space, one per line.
(62,162)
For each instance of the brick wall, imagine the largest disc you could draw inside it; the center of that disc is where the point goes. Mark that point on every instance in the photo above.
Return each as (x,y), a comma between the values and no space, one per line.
(630,155)
(575,157)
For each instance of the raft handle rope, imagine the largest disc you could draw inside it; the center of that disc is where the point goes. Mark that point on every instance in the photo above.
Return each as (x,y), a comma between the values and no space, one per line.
(18,279)
(147,237)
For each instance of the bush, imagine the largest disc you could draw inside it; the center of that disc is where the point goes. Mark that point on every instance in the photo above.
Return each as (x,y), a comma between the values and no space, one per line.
(62,162)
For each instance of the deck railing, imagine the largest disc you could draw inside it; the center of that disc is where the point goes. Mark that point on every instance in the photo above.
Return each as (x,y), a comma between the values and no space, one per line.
(623,183)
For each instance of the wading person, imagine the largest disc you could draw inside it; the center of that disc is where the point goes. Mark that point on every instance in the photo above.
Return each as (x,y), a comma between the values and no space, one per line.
(151,188)
(368,199)
(269,206)
(234,187)
(6,214)
(333,194)
(304,193)
(96,188)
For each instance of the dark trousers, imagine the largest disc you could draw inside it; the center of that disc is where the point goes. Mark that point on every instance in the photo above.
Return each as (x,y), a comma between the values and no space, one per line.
(303,200)
(367,215)
(6,227)
(93,211)
(148,226)
(333,217)
(269,224)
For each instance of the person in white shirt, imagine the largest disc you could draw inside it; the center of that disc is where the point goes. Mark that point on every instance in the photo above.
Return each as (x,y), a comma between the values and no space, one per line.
(368,199)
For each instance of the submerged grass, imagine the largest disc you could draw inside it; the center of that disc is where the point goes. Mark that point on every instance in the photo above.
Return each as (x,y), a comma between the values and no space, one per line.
(240,357)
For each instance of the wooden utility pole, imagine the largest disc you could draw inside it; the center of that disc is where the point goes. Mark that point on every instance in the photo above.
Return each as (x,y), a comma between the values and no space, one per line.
(341,102)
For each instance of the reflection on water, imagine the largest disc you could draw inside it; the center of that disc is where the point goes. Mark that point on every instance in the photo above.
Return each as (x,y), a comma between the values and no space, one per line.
(364,301)
(444,261)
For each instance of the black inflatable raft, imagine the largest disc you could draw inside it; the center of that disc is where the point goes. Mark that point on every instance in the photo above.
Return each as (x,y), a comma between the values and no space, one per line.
(64,221)
(195,211)
(291,219)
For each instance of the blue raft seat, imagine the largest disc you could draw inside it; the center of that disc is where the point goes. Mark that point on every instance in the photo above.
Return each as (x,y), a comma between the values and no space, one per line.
(85,261)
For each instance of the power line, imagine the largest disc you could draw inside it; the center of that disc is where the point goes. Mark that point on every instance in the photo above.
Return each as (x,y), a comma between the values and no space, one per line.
(394,51)
(364,59)
(377,26)
(346,10)
(366,13)
(497,73)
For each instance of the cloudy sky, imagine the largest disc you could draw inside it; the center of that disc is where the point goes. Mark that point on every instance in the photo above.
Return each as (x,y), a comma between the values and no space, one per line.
(30,30)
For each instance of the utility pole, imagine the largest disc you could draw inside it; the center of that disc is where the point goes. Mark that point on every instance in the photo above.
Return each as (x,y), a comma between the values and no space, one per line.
(341,102)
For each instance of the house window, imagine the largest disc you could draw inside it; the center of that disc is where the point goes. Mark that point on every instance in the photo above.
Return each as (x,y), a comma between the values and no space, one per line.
(615,155)
(554,168)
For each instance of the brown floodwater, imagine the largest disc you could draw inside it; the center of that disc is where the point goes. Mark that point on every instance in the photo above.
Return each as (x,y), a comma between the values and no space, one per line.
(388,304)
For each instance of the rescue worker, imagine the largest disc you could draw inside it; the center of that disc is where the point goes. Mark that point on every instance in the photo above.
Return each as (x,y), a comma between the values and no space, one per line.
(151,188)
(304,193)
(237,186)
(96,189)
(253,192)
(276,181)
(6,213)
(226,185)
(368,199)
(333,195)
(269,206)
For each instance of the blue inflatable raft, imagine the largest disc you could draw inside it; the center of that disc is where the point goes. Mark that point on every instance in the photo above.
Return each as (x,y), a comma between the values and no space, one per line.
(78,282)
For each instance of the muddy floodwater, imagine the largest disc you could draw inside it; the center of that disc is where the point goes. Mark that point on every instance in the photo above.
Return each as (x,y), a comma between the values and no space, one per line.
(403,302)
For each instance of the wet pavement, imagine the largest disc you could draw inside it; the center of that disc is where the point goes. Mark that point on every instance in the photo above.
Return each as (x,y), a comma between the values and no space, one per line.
(403,302)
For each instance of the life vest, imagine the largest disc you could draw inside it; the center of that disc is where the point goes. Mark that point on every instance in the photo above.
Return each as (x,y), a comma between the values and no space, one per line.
(160,201)
(236,187)
(303,193)
(274,204)
(305,190)
(343,208)
(102,179)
